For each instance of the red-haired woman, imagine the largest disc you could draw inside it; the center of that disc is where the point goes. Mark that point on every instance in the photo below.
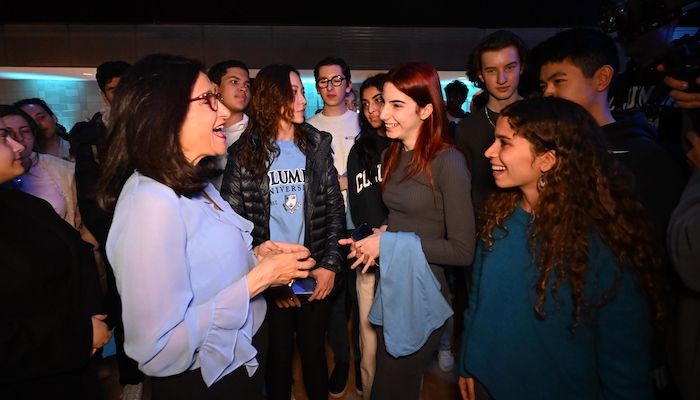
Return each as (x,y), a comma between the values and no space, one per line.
(427,192)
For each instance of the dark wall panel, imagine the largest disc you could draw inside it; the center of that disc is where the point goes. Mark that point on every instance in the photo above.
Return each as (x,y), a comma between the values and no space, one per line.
(38,45)
(246,43)
(94,44)
(366,48)
(184,40)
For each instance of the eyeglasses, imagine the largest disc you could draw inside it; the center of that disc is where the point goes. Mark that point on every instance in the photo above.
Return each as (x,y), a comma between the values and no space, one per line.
(335,81)
(210,98)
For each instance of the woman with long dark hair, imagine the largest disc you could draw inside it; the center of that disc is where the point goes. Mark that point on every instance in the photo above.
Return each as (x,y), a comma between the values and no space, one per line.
(186,269)
(280,176)
(367,207)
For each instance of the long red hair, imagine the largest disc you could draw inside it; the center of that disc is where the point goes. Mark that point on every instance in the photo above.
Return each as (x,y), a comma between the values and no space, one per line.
(419,81)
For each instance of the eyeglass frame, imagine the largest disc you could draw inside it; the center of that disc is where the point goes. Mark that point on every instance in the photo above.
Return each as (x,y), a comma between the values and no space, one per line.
(214,105)
(323,83)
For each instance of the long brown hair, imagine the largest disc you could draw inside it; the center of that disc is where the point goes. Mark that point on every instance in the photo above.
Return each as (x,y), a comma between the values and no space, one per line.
(419,81)
(584,193)
(149,107)
(271,102)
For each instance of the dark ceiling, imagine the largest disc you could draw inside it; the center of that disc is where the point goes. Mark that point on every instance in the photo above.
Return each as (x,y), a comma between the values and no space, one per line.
(422,13)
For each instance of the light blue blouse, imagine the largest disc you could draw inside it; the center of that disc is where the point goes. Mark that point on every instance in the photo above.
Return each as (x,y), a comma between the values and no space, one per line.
(180,268)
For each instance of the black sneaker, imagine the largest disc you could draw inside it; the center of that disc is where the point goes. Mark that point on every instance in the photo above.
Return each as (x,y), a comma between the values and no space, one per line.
(338,381)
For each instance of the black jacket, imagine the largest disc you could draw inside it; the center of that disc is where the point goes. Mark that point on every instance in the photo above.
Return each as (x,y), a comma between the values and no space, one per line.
(658,178)
(324,211)
(48,292)
(86,135)
(365,193)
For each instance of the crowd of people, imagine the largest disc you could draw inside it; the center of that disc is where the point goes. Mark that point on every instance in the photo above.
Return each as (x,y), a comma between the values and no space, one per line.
(214,231)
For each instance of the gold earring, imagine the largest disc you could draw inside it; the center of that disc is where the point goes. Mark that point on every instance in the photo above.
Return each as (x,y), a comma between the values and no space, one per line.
(541,183)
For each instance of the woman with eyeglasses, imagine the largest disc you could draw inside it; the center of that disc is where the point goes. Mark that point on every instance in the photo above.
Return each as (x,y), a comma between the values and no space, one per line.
(51,319)
(187,272)
(280,175)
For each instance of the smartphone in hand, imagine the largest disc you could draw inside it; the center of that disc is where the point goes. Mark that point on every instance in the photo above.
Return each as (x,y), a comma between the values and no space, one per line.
(360,233)
(303,287)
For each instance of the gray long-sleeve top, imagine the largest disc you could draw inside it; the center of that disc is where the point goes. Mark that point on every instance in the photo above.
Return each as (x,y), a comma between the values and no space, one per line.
(443,218)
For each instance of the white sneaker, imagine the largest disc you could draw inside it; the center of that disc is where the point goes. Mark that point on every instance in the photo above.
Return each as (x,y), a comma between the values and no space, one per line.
(132,392)
(446,361)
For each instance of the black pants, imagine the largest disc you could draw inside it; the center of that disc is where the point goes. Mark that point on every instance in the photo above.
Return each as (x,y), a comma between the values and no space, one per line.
(237,384)
(309,323)
(343,306)
(400,378)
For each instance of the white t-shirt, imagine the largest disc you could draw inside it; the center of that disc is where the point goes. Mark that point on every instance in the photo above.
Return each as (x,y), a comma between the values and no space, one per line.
(343,128)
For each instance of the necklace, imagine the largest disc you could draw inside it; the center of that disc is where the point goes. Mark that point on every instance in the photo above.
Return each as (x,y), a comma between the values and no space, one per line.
(486,112)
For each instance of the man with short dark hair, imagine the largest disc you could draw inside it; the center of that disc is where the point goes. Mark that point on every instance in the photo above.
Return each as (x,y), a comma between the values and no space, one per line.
(53,139)
(579,65)
(455,95)
(232,81)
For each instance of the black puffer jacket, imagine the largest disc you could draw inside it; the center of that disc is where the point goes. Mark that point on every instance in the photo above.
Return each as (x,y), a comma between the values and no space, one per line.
(324,211)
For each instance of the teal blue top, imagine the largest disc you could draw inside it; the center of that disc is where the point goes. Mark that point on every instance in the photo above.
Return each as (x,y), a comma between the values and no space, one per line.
(517,355)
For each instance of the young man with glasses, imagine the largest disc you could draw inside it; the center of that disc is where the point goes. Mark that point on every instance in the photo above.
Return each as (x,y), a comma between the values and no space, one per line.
(333,83)
(232,80)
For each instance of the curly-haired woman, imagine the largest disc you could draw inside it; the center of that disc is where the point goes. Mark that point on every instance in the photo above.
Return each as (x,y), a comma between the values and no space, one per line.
(564,284)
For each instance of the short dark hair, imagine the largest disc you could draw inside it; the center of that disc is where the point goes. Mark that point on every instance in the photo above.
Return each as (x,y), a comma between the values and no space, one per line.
(457,88)
(218,70)
(35,101)
(586,48)
(151,103)
(332,60)
(493,42)
(109,70)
